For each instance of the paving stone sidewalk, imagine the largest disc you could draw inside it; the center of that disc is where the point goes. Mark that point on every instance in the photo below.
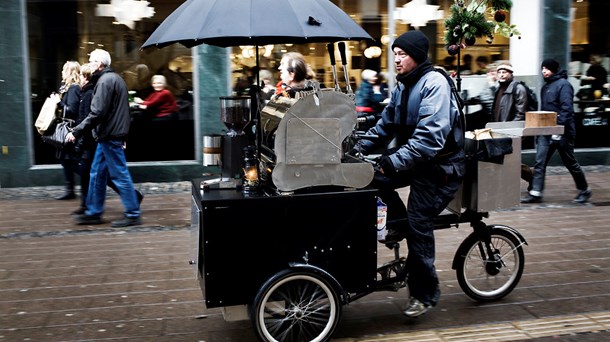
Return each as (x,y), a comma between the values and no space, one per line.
(64,282)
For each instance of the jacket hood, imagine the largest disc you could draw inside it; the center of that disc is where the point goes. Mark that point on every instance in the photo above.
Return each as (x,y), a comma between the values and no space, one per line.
(559,75)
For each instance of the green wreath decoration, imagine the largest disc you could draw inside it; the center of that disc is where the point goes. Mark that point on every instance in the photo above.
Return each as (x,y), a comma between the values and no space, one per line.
(472,21)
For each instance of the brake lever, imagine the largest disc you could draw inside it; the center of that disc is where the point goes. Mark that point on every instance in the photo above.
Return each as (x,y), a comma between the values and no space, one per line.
(366,136)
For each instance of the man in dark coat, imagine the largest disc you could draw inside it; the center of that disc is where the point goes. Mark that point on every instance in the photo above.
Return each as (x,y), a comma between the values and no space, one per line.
(557,96)
(109,119)
(510,104)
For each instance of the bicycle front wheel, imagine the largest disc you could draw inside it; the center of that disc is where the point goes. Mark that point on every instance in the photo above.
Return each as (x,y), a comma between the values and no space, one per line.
(486,276)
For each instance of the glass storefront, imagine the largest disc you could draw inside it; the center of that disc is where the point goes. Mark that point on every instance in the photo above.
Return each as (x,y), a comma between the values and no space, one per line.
(61,31)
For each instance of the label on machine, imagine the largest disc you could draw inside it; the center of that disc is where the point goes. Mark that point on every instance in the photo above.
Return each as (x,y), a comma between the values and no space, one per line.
(382,215)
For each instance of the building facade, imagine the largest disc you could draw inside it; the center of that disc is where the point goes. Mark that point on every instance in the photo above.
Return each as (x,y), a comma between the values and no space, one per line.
(38,36)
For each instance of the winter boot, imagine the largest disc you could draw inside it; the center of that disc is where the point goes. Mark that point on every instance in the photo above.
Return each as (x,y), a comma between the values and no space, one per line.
(68,194)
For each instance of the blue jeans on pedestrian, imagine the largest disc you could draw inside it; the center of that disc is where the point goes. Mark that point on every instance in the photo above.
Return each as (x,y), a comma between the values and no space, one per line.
(110,161)
(545,148)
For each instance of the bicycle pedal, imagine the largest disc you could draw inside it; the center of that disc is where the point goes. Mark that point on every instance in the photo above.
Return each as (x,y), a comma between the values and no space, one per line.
(395,287)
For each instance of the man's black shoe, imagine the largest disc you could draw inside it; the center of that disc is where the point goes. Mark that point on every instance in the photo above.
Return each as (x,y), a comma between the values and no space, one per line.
(79,211)
(531,199)
(66,196)
(583,196)
(127,221)
(87,219)
(392,238)
(140,196)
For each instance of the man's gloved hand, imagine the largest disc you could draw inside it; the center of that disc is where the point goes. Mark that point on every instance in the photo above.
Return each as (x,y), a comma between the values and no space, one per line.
(386,165)
(357,150)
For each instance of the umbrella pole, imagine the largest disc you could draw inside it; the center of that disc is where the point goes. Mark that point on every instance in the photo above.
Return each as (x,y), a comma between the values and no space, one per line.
(259,122)
(459,79)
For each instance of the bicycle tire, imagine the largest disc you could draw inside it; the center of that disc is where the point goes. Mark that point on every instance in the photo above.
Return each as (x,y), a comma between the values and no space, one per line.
(486,280)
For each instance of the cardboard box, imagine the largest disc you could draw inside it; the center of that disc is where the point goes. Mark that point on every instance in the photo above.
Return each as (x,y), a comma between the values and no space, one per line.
(540,119)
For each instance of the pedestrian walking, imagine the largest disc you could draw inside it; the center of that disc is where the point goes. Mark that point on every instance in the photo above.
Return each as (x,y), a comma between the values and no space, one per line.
(557,96)
(68,100)
(109,119)
(510,104)
(85,145)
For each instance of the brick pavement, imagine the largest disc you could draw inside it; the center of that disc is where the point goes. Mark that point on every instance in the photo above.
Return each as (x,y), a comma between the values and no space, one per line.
(62,282)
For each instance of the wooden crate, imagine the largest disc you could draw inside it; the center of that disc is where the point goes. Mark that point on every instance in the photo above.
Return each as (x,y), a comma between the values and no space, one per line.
(540,119)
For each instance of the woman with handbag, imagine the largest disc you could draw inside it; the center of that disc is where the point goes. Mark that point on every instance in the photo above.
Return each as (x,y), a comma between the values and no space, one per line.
(68,100)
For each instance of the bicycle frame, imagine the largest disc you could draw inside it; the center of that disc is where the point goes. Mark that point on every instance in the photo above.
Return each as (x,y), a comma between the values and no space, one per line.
(394,273)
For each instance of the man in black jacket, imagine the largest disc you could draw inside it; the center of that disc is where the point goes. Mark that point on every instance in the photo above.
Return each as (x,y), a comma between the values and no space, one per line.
(109,119)
(557,96)
(510,104)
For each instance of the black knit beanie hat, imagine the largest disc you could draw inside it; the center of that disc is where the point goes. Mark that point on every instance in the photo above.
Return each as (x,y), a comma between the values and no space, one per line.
(414,43)
(551,64)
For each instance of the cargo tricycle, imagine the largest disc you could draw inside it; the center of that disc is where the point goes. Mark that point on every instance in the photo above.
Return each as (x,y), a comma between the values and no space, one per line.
(298,245)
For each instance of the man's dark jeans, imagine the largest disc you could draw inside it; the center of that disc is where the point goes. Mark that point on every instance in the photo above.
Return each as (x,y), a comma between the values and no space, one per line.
(545,148)
(430,193)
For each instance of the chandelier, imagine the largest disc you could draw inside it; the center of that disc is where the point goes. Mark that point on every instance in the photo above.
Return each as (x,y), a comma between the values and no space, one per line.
(372,52)
(125,12)
(418,13)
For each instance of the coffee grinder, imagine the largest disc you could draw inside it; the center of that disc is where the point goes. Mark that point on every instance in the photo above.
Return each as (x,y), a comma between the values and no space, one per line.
(235,114)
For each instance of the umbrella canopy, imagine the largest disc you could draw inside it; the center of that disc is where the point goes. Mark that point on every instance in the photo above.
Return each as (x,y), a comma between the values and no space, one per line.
(227,23)
(255,22)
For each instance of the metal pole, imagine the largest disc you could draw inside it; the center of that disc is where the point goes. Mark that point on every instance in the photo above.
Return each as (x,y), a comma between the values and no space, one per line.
(391,76)
(257,111)
(458,78)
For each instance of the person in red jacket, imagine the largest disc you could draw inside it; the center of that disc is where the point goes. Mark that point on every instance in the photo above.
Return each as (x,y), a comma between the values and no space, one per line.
(161,104)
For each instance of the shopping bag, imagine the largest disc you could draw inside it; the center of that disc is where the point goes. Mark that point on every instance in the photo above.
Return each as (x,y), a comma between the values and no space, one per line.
(56,134)
(46,115)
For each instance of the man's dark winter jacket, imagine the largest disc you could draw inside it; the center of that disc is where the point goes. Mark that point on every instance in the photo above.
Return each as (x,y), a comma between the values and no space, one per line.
(109,115)
(557,95)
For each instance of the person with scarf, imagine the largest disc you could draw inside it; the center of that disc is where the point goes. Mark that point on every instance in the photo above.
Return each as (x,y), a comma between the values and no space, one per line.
(423,119)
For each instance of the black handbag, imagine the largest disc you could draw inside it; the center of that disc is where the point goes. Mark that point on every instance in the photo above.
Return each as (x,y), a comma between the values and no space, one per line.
(56,136)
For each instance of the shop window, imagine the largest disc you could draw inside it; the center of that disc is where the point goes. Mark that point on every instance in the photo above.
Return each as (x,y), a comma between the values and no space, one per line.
(59,31)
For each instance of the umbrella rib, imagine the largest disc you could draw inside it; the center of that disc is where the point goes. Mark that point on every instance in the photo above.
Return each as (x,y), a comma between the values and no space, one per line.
(339,24)
(205,21)
(296,19)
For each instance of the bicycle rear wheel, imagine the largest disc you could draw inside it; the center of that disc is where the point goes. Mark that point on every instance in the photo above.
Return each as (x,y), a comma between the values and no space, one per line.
(296,306)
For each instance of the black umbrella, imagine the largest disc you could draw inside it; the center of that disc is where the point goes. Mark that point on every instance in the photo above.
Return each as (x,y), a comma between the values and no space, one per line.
(255,22)
(227,23)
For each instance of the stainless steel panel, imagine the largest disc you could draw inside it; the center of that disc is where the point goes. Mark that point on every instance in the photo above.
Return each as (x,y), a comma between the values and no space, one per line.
(307,141)
(518,128)
(493,186)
